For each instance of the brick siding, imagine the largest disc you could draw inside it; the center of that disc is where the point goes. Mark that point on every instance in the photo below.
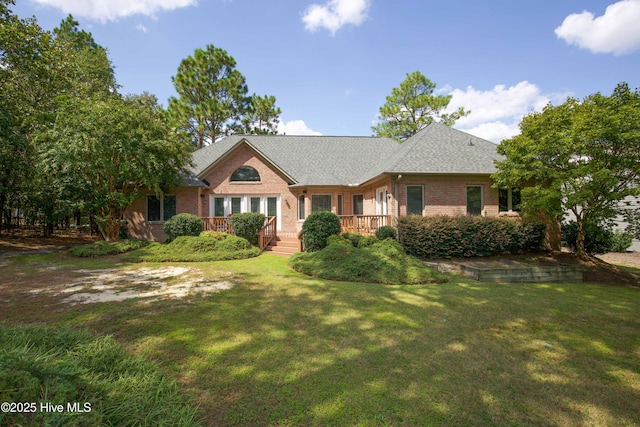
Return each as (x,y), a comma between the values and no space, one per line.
(444,195)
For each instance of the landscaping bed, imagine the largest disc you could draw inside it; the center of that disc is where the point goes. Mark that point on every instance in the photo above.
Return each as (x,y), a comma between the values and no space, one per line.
(595,269)
(381,262)
(510,271)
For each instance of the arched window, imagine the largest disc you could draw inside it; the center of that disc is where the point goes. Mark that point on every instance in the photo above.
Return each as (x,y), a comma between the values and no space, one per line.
(245,174)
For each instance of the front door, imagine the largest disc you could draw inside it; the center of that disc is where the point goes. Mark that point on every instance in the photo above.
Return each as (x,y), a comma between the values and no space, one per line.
(381,201)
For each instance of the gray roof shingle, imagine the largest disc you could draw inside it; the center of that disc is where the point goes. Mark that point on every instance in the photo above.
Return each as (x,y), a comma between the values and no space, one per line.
(348,160)
(309,160)
(440,149)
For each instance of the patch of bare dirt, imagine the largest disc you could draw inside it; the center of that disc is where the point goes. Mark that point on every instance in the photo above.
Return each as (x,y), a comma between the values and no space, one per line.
(77,286)
(111,285)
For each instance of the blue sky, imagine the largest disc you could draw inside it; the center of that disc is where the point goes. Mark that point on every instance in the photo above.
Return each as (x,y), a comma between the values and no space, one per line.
(331,63)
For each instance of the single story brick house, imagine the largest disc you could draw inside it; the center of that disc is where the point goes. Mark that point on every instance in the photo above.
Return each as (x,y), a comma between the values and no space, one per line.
(367,181)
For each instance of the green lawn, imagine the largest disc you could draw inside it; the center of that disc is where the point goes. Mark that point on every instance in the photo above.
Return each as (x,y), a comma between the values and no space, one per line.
(281,348)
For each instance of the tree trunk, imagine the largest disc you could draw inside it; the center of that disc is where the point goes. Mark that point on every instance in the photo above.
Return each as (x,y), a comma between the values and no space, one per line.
(47,227)
(110,224)
(93,224)
(3,201)
(581,253)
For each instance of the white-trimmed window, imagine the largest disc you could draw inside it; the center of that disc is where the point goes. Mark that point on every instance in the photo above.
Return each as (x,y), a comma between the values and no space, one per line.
(340,207)
(301,211)
(223,206)
(218,206)
(272,206)
(475,203)
(509,199)
(415,199)
(320,203)
(358,204)
(161,209)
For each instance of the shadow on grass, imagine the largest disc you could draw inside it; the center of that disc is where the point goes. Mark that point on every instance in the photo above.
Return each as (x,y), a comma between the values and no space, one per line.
(281,348)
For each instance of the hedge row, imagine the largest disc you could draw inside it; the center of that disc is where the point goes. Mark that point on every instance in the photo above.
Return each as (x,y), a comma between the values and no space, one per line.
(467,236)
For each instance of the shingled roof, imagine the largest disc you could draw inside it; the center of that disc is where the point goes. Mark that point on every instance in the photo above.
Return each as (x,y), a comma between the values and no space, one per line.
(348,160)
(440,149)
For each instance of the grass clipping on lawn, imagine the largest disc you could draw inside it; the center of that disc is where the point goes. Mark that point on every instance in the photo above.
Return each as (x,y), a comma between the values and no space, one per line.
(195,249)
(382,262)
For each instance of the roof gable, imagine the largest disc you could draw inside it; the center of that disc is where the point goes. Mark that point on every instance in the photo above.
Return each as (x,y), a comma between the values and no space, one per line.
(308,160)
(345,160)
(205,161)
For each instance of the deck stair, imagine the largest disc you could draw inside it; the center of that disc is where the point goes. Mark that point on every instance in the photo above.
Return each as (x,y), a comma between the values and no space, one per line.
(285,246)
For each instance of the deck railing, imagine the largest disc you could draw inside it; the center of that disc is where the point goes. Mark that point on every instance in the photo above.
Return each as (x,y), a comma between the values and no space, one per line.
(265,235)
(268,232)
(363,224)
(216,224)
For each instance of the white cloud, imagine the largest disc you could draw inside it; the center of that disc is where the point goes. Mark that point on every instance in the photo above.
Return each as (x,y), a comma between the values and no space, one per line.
(496,113)
(112,10)
(617,31)
(296,127)
(335,14)
(495,131)
(142,28)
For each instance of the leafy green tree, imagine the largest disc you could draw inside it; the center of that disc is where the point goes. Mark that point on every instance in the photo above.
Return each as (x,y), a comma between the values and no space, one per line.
(79,68)
(412,106)
(578,157)
(212,95)
(110,151)
(37,67)
(212,99)
(262,116)
(87,70)
(24,49)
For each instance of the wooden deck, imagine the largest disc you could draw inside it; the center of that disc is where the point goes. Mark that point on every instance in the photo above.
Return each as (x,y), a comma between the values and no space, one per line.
(363,224)
(360,224)
(216,224)
(265,235)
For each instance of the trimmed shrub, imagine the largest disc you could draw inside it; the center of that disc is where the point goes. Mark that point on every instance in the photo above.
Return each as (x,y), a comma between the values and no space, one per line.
(317,229)
(101,248)
(382,262)
(467,236)
(621,241)
(354,238)
(386,232)
(367,241)
(195,249)
(247,225)
(598,238)
(233,243)
(218,235)
(183,224)
(338,240)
